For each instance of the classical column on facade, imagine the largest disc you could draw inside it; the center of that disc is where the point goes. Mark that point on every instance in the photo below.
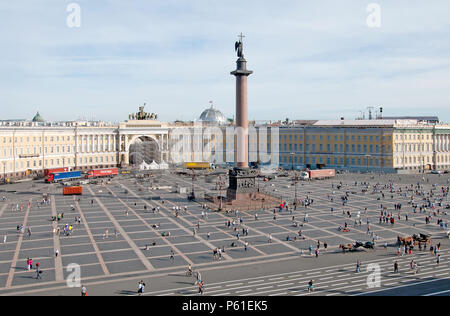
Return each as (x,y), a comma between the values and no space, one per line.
(443,143)
(438,143)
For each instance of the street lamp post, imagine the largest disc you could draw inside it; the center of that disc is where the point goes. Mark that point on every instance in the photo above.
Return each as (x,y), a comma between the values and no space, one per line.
(220,183)
(292,161)
(367,162)
(295,191)
(192,197)
(4,171)
(423,165)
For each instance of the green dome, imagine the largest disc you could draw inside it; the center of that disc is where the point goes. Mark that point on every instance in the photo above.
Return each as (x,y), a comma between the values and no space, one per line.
(38,118)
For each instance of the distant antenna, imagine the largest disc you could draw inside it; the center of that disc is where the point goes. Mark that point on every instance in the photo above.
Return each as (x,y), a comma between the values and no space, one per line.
(370,108)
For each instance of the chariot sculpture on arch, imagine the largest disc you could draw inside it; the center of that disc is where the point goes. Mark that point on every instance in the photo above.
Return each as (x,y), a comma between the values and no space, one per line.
(142,115)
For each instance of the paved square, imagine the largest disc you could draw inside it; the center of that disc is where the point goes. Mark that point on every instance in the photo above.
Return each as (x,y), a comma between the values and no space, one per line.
(129,228)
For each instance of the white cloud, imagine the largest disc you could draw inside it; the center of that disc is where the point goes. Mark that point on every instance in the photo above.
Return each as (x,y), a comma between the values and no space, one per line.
(311,59)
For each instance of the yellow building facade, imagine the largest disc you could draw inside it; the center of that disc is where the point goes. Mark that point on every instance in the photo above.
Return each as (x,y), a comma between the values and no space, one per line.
(390,146)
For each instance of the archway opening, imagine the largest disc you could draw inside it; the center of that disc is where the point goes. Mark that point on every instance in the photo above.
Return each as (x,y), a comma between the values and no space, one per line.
(144,149)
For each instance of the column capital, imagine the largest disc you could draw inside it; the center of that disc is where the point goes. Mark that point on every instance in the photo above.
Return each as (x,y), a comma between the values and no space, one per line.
(241,69)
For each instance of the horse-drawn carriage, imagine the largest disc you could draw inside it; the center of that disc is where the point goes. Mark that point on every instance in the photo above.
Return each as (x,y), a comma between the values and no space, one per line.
(414,240)
(422,238)
(356,245)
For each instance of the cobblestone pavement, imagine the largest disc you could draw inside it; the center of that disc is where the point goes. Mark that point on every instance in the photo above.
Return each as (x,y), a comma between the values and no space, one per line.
(118,223)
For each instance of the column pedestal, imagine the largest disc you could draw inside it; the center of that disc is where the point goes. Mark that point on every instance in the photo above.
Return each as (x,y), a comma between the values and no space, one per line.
(242,184)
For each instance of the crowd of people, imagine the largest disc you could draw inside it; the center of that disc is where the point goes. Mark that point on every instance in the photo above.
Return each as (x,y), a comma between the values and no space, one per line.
(416,198)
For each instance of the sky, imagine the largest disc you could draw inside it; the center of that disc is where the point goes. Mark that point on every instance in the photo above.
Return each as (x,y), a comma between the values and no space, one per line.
(311,59)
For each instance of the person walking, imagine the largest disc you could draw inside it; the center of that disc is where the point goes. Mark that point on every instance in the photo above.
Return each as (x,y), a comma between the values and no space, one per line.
(416,268)
(83,291)
(311,286)
(38,271)
(396,267)
(201,287)
(198,277)
(141,287)
(358,266)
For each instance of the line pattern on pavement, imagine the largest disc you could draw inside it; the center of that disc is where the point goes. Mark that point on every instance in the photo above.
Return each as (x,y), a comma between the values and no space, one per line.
(135,248)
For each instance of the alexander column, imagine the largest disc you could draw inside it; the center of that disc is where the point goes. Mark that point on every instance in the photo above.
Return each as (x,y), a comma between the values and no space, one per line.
(241,73)
(242,179)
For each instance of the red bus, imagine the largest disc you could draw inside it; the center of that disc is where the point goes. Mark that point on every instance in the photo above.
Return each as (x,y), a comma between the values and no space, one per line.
(102,173)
